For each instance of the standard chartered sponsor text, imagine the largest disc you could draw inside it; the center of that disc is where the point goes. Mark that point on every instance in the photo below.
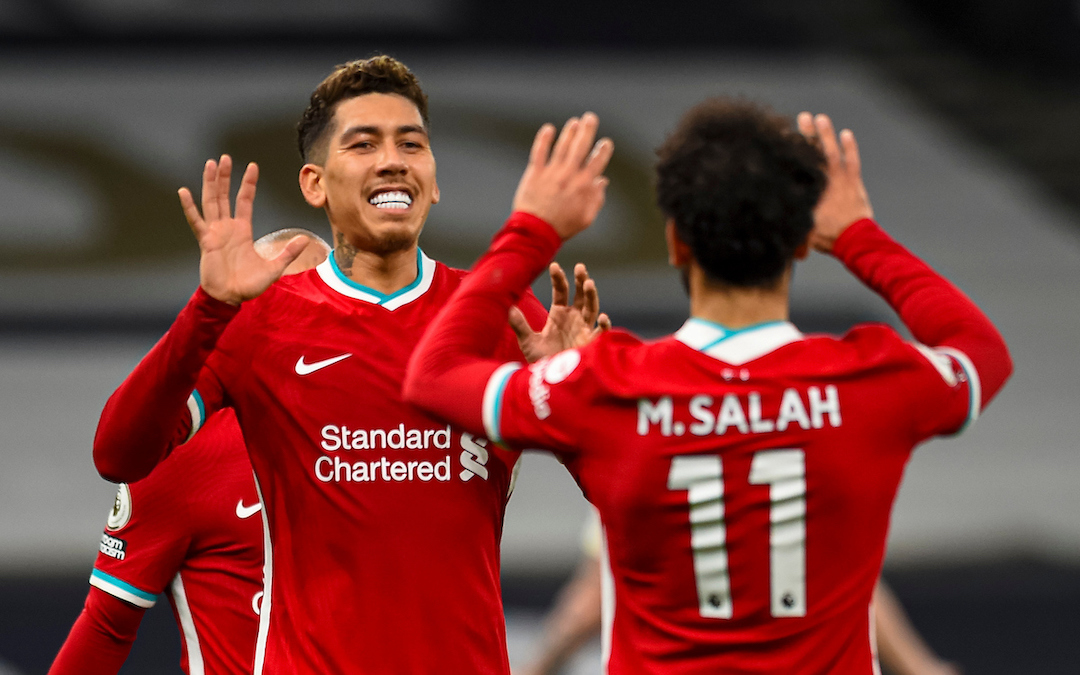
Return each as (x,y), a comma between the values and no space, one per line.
(341,437)
(337,468)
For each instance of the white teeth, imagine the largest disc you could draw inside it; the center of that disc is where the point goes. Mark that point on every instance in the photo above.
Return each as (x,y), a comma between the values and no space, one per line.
(391,200)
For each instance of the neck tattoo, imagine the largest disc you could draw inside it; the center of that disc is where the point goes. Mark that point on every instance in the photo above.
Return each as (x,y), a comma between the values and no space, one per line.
(344,254)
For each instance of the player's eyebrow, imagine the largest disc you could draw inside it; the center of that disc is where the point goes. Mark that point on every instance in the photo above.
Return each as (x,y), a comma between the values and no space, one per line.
(360,129)
(376,131)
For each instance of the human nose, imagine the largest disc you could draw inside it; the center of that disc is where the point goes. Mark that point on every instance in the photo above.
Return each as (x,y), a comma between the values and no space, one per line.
(391,161)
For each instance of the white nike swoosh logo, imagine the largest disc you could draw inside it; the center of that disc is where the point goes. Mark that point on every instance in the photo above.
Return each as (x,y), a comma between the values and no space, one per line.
(308,368)
(243,512)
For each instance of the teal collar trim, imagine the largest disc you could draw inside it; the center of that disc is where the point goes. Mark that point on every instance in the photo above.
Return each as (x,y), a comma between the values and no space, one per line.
(330,273)
(736,346)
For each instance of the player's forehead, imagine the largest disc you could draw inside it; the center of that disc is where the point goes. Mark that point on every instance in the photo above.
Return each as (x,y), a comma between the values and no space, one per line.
(376,112)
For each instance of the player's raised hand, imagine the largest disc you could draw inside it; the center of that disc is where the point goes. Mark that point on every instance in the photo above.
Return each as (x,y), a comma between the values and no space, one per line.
(564,183)
(568,325)
(844,200)
(230,270)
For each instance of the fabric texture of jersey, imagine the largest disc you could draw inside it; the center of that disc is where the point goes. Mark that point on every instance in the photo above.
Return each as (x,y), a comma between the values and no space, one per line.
(384,523)
(744,477)
(193,529)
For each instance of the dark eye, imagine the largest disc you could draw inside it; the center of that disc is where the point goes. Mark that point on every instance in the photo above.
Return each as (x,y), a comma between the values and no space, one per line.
(412,145)
(361,145)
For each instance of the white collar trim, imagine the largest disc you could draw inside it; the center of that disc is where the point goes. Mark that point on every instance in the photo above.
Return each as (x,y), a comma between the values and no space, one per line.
(736,346)
(333,277)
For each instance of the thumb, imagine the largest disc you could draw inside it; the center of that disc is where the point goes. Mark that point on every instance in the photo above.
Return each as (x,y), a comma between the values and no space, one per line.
(289,253)
(520,324)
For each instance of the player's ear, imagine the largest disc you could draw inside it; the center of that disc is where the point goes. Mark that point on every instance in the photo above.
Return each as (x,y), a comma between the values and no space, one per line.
(311,185)
(803,250)
(679,254)
(435,193)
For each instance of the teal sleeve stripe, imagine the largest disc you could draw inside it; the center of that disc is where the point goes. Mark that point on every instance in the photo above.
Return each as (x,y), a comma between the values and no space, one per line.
(202,406)
(123,585)
(493,399)
(197,411)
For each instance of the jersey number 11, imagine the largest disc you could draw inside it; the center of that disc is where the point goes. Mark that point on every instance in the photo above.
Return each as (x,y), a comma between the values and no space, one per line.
(784,471)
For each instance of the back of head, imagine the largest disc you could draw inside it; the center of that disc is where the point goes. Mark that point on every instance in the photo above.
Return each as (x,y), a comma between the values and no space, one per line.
(377,75)
(270,245)
(740,183)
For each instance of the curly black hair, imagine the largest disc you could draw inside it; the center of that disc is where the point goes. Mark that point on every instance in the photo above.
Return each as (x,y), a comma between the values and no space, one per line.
(379,74)
(740,183)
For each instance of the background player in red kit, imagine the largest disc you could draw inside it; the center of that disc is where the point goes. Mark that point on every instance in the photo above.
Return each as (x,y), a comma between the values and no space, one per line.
(744,472)
(192,528)
(383,523)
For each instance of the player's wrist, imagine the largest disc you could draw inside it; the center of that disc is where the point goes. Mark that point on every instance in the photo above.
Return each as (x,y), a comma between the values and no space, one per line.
(535,228)
(851,235)
(215,306)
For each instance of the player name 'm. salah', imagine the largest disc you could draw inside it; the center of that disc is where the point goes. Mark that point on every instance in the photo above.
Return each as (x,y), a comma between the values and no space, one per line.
(741,414)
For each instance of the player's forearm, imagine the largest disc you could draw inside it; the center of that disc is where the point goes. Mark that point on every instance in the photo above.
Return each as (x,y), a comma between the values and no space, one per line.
(450,367)
(101,638)
(573,620)
(147,415)
(934,310)
(900,647)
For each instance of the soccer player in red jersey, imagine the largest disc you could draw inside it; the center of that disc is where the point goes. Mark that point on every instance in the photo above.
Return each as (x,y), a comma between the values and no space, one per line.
(744,472)
(192,528)
(582,610)
(383,523)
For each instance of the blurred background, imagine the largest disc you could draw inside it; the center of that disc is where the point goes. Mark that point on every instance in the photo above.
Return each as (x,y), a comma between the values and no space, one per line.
(967,115)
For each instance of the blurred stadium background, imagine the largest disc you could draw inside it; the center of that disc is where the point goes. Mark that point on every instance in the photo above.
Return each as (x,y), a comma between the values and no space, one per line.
(967,114)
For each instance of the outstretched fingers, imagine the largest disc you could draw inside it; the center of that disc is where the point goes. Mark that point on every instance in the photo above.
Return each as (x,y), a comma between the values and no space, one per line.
(562,143)
(209,190)
(600,157)
(245,197)
(224,176)
(851,152)
(603,325)
(582,141)
(827,137)
(560,287)
(541,147)
(191,212)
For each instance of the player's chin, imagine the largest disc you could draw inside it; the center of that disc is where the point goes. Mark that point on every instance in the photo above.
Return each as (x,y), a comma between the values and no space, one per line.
(386,240)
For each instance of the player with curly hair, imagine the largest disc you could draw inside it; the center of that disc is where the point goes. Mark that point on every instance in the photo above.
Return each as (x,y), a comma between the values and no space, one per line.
(744,472)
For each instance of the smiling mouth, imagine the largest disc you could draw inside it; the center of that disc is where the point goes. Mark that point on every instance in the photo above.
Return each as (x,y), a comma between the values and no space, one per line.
(394,199)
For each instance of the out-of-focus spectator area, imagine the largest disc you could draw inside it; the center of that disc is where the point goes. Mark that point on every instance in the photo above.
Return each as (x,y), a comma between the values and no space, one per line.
(966,115)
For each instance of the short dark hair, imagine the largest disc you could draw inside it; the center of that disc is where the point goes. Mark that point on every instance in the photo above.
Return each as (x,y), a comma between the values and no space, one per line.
(379,74)
(741,184)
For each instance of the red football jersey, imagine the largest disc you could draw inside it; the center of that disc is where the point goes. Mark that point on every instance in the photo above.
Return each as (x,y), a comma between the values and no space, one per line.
(193,529)
(384,523)
(744,477)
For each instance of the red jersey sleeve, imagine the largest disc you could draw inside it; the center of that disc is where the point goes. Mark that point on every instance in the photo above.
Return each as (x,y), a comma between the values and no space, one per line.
(101,638)
(147,535)
(543,404)
(450,368)
(154,410)
(961,359)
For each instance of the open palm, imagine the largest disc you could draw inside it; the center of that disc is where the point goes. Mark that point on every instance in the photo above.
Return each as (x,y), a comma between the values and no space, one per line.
(229,268)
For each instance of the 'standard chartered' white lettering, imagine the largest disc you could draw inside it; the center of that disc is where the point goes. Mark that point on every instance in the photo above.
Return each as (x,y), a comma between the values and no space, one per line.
(341,437)
(335,469)
(741,413)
